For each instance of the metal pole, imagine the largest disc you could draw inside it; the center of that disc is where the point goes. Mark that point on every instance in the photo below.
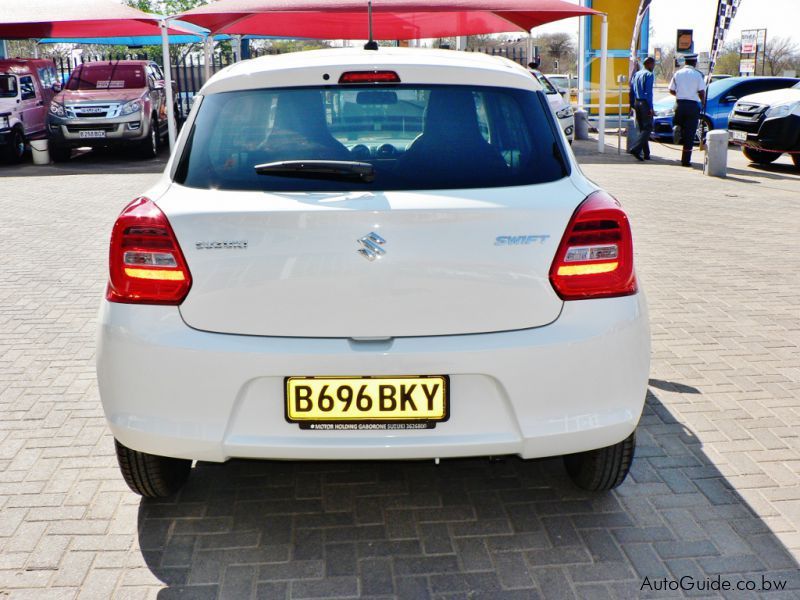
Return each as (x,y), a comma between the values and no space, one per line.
(601,126)
(581,58)
(237,47)
(168,84)
(208,48)
(619,122)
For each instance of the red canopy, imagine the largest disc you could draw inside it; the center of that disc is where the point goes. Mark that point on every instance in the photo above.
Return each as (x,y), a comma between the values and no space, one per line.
(23,19)
(392,19)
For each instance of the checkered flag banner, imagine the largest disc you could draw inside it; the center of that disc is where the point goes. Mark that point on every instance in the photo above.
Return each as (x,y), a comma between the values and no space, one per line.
(643,6)
(726,11)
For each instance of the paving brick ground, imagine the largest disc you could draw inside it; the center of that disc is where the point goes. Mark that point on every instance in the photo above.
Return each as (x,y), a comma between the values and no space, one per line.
(714,491)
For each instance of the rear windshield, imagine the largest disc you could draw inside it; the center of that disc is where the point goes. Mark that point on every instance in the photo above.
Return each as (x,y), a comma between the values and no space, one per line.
(415,137)
(8,86)
(107,77)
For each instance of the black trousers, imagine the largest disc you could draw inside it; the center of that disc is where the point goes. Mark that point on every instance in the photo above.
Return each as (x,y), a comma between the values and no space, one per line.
(644,121)
(687,115)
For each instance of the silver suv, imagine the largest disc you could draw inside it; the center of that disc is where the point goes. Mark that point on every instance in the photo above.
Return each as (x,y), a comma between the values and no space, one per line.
(110,103)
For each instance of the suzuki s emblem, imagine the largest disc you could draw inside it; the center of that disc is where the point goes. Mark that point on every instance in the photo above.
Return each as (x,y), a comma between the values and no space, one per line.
(370,246)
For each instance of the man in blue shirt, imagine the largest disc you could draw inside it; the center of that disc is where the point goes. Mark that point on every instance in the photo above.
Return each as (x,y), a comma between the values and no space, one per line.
(642,85)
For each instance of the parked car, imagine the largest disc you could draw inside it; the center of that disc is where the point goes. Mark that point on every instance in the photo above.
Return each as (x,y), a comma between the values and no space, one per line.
(560,105)
(722,95)
(361,254)
(120,102)
(566,85)
(27,85)
(768,124)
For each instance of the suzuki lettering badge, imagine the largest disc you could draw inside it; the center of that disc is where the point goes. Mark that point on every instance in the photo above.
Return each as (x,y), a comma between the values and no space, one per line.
(371,246)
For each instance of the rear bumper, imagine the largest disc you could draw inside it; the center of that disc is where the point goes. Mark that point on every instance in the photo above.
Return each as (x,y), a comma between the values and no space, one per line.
(574,385)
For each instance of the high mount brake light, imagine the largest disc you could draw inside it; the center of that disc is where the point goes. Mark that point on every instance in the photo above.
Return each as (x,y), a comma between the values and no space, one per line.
(146,265)
(595,257)
(369,77)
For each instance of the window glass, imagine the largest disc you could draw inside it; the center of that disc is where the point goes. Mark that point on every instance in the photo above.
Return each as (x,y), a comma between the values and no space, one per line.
(415,137)
(8,86)
(27,87)
(548,87)
(47,76)
(107,76)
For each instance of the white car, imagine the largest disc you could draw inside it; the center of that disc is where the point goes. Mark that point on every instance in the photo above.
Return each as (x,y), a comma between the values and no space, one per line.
(560,106)
(358,254)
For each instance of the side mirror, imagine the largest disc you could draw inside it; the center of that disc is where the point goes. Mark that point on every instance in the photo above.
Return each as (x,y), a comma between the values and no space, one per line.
(157,84)
(56,87)
(729,99)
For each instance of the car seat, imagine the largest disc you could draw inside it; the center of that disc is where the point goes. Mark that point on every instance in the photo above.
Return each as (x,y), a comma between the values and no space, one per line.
(300,130)
(451,143)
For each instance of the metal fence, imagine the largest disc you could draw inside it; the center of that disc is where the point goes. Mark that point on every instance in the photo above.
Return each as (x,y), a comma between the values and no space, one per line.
(515,53)
(188,73)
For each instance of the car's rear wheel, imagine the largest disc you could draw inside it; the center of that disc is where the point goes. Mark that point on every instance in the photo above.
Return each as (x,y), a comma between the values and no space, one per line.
(15,149)
(762,157)
(60,153)
(602,469)
(150,475)
(149,147)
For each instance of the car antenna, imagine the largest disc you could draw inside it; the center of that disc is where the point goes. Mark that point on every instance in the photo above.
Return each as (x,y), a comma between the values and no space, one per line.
(371,44)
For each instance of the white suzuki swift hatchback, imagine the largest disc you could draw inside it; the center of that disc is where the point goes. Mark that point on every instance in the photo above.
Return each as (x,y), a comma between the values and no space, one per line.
(360,254)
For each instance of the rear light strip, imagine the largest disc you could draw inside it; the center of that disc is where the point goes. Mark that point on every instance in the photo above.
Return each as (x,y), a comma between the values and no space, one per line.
(595,257)
(146,265)
(369,77)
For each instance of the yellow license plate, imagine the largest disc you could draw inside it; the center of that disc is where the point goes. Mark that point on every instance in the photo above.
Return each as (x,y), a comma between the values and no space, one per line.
(314,401)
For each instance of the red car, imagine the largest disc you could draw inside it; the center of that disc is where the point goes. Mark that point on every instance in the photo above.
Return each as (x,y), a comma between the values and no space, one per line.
(27,85)
(120,102)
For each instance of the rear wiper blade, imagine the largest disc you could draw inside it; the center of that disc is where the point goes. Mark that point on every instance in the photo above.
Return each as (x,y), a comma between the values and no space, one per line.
(320,169)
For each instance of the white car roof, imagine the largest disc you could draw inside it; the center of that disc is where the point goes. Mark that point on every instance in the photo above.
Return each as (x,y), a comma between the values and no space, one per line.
(413,65)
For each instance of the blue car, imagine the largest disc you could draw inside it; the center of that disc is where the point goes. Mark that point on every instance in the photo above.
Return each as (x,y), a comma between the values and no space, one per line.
(722,95)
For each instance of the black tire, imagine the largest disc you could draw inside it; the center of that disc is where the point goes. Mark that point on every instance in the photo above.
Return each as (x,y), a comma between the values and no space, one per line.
(602,469)
(796,161)
(149,146)
(762,157)
(60,153)
(15,149)
(152,476)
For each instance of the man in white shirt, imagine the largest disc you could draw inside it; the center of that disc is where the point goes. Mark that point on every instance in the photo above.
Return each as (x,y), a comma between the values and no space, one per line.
(689,87)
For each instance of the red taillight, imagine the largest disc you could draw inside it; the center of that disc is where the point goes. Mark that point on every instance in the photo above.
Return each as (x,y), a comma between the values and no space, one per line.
(369,77)
(595,258)
(145,262)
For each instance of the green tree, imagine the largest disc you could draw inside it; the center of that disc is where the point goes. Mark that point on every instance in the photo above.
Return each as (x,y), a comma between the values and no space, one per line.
(728,59)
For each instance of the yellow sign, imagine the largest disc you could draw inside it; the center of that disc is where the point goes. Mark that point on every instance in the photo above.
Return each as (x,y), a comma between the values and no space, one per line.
(367,399)
(621,20)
